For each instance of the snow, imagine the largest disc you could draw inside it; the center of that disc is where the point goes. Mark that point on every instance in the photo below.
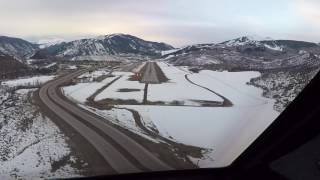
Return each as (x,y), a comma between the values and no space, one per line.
(178,88)
(275,47)
(94,74)
(109,36)
(28,81)
(50,65)
(170,56)
(24,91)
(159,92)
(122,118)
(30,142)
(255,37)
(123,83)
(301,52)
(81,91)
(96,58)
(28,163)
(225,132)
(202,60)
(232,85)
(254,40)
(44,43)
(169,51)
(228,131)
(243,41)
(72,67)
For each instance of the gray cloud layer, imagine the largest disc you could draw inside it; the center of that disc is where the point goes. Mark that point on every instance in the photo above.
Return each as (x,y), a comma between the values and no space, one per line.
(178,22)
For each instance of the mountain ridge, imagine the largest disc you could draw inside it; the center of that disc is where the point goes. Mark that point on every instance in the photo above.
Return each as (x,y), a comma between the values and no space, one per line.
(247,54)
(17,47)
(111,44)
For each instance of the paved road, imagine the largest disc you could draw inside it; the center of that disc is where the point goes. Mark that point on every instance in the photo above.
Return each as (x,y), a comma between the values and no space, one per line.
(150,74)
(120,151)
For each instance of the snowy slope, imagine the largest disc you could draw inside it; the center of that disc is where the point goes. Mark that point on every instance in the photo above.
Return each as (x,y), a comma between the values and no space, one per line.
(44,43)
(253,41)
(18,48)
(247,53)
(104,45)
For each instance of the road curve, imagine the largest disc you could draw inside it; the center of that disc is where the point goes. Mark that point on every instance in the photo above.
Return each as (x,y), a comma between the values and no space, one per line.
(120,151)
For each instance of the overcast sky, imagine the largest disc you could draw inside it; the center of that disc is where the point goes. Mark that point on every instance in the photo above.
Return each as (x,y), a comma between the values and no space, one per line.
(177,22)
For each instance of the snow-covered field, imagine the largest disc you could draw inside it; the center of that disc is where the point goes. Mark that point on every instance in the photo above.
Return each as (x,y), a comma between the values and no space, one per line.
(81,91)
(228,131)
(96,58)
(123,83)
(36,80)
(232,85)
(224,131)
(124,119)
(72,67)
(178,88)
(94,74)
(32,147)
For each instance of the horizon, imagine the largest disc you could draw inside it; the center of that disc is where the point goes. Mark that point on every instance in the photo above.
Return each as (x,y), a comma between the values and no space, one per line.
(50,39)
(178,23)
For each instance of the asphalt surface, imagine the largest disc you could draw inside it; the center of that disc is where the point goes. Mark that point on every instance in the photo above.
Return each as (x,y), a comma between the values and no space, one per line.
(150,74)
(120,151)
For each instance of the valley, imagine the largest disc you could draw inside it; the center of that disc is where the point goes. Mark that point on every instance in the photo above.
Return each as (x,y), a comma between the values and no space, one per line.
(124,104)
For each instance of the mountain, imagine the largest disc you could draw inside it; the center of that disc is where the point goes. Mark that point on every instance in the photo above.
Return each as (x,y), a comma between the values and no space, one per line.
(44,43)
(245,53)
(103,45)
(276,45)
(18,48)
(286,66)
(10,67)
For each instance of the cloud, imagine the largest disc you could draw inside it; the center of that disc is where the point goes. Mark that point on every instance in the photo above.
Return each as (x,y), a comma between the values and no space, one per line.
(310,11)
(176,22)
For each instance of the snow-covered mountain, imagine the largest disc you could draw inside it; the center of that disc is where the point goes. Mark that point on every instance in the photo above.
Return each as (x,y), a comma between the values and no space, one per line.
(44,43)
(286,66)
(248,53)
(251,41)
(103,45)
(18,48)
(276,45)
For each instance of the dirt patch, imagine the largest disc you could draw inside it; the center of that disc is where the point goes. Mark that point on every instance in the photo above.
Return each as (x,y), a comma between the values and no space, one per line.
(205,103)
(55,165)
(103,77)
(195,70)
(128,90)
(145,94)
(111,102)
